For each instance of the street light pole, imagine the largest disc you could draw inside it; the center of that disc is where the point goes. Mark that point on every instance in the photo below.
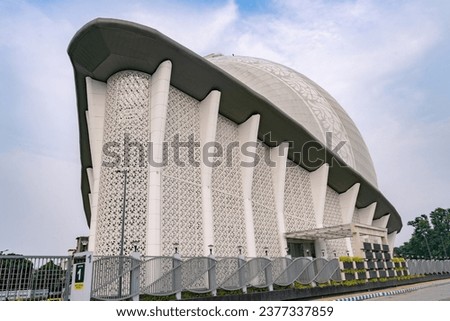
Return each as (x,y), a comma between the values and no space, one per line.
(428,247)
(443,246)
(125,172)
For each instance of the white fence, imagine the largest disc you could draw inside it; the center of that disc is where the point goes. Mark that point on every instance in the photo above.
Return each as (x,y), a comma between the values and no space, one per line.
(163,276)
(34,278)
(418,267)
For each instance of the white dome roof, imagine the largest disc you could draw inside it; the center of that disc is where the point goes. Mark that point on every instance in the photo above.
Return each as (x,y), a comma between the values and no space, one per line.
(305,102)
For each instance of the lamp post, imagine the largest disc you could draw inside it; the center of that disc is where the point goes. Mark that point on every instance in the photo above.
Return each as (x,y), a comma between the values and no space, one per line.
(443,245)
(241,262)
(134,245)
(125,172)
(84,245)
(426,242)
(175,246)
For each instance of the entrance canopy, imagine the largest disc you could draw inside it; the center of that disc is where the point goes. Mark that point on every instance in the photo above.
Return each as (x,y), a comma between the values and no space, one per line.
(337,232)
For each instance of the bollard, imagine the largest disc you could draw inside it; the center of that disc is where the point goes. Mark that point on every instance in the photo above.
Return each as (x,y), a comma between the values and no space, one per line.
(177,275)
(312,272)
(212,279)
(135,275)
(289,273)
(242,279)
(268,274)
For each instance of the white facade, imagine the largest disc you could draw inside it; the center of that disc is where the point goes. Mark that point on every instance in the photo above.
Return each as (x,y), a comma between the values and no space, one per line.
(241,175)
(228,205)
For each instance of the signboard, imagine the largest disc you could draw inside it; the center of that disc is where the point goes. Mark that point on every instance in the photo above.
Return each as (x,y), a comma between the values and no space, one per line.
(79,276)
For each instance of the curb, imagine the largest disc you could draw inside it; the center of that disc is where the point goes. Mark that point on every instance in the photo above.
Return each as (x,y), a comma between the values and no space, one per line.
(378,294)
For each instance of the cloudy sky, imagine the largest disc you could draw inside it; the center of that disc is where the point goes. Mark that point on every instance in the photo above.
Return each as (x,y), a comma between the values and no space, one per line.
(386,62)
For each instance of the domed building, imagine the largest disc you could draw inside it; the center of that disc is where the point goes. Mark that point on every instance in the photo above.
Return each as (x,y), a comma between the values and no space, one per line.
(220,153)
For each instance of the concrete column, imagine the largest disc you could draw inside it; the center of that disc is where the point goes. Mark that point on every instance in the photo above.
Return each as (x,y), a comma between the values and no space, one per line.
(366,214)
(319,180)
(95,118)
(357,244)
(209,110)
(347,201)
(391,241)
(382,221)
(278,155)
(320,245)
(158,115)
(93,201)
(248,134)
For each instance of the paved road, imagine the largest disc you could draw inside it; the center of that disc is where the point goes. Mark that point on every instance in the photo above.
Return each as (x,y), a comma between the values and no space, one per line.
(435,291)
(427,291)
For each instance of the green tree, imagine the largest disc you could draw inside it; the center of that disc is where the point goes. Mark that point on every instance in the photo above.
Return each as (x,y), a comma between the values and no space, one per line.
(15,273)
(440,218)
(49,276)
(431,236)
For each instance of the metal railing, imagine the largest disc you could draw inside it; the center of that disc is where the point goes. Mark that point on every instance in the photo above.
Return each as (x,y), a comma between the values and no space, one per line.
(163,276)
(111,278)
(307,271)
(35,278)
(124,277)
(121,278)
(418,267)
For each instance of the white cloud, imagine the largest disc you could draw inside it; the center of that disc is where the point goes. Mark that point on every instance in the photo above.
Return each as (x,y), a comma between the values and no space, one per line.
(412,166)
(367,54)
(342,43)
(40,202)
(207,26)
(370,57)
(39,79)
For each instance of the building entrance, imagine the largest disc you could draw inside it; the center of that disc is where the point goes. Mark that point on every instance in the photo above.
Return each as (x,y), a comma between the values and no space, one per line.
(301,248)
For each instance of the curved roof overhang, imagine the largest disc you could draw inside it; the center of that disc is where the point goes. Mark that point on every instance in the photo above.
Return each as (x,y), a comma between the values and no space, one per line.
(105,46)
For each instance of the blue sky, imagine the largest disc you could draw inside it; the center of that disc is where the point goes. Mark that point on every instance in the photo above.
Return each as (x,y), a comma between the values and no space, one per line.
(386,62)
